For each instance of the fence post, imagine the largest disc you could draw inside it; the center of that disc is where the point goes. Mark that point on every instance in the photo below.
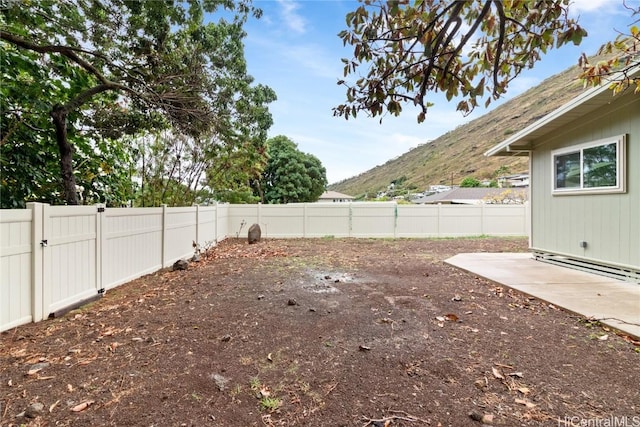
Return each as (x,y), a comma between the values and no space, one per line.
(304,220)
(197,239)
(439,213)
(482,219)
(37,255)
(395,221)
(259,214)
(163,252)
(350,219)
(215,224)
(100,244)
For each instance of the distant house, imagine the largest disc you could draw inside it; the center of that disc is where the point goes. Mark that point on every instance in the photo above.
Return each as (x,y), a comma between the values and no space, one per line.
(585,182)
(437,189)
(335,197)
(518,180)
(471,196)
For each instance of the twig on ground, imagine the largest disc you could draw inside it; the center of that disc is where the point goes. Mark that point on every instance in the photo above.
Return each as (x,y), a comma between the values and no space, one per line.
(402,416)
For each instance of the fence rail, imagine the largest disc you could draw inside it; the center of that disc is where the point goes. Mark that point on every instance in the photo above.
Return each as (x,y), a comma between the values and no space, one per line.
(52,257)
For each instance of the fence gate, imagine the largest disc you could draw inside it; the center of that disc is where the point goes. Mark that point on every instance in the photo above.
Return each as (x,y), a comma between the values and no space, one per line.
(70,256)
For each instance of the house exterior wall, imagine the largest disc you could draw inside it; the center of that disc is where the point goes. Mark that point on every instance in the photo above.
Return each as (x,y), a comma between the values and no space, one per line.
(609,223)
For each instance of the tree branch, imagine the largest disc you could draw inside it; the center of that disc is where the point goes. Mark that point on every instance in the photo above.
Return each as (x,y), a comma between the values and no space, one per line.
(423,85)
(72,54)
(499,44)
(472,30)
(69,52)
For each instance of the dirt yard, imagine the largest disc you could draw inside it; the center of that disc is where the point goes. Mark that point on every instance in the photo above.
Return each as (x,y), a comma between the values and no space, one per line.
(324,332)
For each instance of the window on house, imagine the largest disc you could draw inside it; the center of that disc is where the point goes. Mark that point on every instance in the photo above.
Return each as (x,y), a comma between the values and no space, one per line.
(594,167)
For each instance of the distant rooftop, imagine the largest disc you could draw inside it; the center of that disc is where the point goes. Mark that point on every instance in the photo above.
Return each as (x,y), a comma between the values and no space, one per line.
(461,195)
(334,196)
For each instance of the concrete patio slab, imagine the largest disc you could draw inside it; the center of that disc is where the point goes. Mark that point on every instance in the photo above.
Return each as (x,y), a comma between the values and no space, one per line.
(614,302)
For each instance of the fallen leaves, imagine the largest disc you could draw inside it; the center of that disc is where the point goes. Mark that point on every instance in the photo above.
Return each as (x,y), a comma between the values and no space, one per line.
(450,317)
(524,390)
(497,374)
(82,406)
(526,403)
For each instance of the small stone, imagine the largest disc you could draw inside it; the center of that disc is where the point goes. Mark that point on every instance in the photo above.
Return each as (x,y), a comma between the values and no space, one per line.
(292,302)
(475,416)
(483,418)
(180,265)
(221,382)
(34,369)
(226,338)
(260,296)
(34,410)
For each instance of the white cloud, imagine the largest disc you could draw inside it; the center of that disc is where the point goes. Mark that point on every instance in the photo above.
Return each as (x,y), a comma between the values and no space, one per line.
(291,17)
(578,6)
(312,58)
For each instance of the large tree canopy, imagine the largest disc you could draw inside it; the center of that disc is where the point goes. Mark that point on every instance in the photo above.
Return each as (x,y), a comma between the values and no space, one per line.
(468,50)
(120,66)
(291,176)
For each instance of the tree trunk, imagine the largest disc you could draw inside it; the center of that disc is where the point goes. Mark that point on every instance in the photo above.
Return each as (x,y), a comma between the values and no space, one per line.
(258,187)
(59,116)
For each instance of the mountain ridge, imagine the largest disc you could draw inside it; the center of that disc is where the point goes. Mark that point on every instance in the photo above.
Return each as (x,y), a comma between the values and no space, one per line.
(459,153)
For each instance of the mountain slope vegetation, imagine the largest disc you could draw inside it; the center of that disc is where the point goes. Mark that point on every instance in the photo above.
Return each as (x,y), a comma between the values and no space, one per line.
(459,153)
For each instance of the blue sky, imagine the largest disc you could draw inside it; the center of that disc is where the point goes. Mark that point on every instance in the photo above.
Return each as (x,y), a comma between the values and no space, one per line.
(294,49)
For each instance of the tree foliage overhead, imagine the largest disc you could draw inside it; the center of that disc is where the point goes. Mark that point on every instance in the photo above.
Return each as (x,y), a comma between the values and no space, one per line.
(468,50)
(619,68)
(120,66)
(291,176)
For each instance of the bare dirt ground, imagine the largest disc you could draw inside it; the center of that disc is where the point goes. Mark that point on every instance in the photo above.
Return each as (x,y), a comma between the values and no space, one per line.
(324,332)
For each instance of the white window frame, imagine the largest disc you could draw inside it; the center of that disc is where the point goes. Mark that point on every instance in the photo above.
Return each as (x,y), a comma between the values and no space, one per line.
(621,170)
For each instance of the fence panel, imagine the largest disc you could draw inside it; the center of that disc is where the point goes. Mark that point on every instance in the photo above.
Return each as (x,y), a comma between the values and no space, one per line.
(460,220)
(240,218)
(179,234)
(222,222)
(373,219)
(132,244)
(15,268)
(324,219)
(207,225)
(282,221)
(418,221)
(505,220)
(69,260)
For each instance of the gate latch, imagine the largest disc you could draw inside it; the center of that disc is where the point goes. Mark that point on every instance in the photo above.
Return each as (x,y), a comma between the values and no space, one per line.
(44,243)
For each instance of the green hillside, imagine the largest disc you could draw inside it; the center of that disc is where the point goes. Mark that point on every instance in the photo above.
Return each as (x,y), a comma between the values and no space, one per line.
(459,153)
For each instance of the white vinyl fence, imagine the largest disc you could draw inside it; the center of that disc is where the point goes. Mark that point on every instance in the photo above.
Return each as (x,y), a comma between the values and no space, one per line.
(54,257)
(379,219)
